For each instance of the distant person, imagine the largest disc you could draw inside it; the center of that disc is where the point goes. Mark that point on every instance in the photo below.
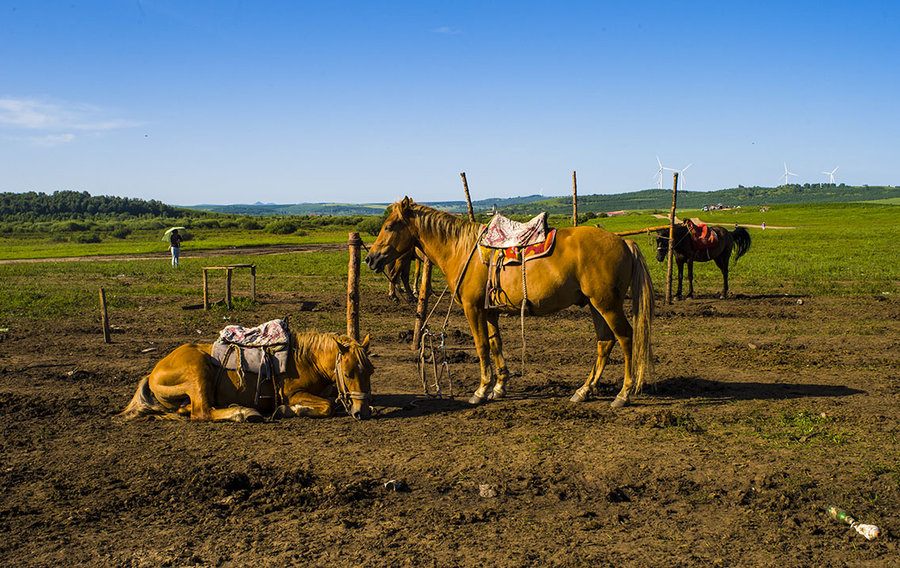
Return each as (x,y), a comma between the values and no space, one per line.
(175,241)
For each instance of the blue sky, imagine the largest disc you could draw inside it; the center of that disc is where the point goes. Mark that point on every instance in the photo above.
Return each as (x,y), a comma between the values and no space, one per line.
(232,101)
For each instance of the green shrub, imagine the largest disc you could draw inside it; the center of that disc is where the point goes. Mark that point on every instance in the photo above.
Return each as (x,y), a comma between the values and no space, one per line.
(249,224)
(121,232)
(370,225)
(86,238)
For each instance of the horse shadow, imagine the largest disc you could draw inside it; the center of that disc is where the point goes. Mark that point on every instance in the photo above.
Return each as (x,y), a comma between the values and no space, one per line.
(390,406)
(721,392)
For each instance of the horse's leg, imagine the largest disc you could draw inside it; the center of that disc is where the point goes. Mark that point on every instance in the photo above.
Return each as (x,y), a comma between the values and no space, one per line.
(605,342)
(306,404)
(623,331)
(478,324)
(195,381)
(722,263)
(680,274)
(690,264)
(496,344)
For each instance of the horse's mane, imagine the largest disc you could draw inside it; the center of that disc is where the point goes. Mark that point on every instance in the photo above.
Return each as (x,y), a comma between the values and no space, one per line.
(435,221)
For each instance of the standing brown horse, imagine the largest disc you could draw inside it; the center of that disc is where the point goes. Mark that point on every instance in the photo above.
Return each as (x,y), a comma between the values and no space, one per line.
(188,383)
(737,241)
(588,266)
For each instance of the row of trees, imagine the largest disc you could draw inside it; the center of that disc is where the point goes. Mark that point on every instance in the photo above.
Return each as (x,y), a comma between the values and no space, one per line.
(66,205)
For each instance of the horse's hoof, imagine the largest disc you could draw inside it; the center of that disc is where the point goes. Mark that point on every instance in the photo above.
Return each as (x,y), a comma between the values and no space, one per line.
(496,395)
(476,400)
(619,402)
(579,396)
(251,415)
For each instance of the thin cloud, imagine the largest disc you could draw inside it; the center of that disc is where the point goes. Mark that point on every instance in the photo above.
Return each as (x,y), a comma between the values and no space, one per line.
(446,30)
(50,140)
(56,120)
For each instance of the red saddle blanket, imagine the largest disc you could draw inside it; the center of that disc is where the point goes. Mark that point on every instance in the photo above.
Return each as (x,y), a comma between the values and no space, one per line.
(704,239)
(515,255)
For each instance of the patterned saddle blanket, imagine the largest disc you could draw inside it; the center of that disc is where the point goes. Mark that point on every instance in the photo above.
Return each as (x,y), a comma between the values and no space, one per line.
(262,349)
(503,232)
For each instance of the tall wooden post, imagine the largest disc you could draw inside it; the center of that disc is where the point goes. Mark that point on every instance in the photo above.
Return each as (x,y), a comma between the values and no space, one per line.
(353,287)
(671,240)
(574,200)
(104,319)
(468,199)
(422,306)
(228,271)
(205,291)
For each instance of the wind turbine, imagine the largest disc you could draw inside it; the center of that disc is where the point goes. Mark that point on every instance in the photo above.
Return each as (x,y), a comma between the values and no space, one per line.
(681,174)
(831,175)
(659,173)
(788,173)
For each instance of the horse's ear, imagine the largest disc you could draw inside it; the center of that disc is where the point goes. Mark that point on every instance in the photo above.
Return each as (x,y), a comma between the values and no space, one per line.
(343,346)
(405,202)
(365,343)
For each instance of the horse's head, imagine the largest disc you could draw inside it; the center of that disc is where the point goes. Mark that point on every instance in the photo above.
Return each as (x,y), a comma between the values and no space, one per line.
(353,373)
(395,238)
(662,246)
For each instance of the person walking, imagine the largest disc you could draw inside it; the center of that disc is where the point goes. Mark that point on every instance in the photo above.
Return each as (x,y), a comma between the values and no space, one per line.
(175,246)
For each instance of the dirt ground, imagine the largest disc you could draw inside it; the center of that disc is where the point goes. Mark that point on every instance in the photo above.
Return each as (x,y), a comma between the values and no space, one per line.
(763,411)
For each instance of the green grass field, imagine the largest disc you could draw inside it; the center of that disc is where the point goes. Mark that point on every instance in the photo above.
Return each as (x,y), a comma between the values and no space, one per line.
(834,249)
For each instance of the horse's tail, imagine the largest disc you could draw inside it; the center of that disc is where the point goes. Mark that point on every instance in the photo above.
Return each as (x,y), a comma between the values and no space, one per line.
(741,242)
(144,403)
(643,306)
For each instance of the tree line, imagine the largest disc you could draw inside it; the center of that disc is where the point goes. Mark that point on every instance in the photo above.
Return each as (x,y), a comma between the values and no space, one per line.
(81,205)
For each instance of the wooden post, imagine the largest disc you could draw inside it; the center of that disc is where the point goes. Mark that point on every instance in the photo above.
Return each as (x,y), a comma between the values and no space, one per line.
(228,287)
(353,287)
(671,240)
(574,200)
(205,291)
(253,282)
(468,199)
(104,319)
(422,306)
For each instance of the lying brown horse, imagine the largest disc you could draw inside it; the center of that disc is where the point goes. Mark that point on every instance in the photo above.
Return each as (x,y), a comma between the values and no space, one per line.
(589,266)
(737,241)
(188,383)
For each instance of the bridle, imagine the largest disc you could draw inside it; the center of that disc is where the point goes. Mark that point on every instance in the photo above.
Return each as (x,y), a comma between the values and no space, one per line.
(345,395)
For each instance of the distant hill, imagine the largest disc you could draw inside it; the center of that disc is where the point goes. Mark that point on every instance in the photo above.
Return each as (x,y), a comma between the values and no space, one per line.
(270,209)
(743,196)
(636,200)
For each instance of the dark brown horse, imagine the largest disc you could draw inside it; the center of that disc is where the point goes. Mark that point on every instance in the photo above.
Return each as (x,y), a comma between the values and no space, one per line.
(737,242)
(589,267)
(187,383)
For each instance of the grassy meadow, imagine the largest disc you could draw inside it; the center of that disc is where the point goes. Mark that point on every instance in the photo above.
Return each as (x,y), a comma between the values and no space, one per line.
(832,249)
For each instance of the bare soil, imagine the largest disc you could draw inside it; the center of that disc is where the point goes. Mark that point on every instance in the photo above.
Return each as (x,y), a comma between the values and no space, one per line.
(763,411)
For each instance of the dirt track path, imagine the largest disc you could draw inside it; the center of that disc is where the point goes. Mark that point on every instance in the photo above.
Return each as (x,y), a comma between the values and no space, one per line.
(698,220)
(198,253)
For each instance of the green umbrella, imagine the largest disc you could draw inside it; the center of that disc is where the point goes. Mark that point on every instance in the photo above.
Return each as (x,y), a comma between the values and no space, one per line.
(167,236)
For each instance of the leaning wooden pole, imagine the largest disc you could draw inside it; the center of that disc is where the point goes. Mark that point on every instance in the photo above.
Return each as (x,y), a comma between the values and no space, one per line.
(353,287)
(574,200)
(468,199)
(422,306)
(104,319)
(671,241)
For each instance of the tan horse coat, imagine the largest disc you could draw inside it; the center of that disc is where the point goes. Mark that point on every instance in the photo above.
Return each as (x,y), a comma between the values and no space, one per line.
(589,266)
(188,383)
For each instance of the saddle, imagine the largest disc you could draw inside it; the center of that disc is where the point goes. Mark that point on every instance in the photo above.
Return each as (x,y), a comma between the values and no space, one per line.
(707,238)
(506,242)
(262,350)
